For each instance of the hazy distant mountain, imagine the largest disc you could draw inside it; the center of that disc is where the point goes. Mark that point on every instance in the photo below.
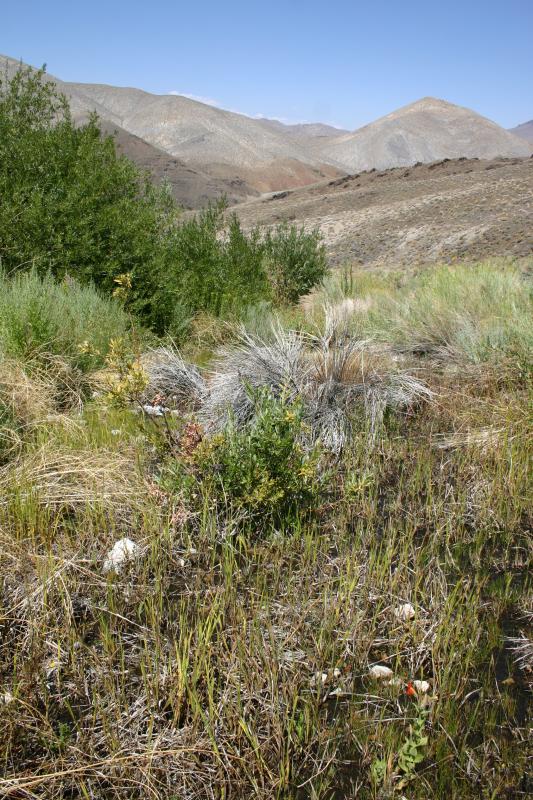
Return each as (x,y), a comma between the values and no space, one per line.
(302,130)
(204,151)
(525,130)
(221,143)
(425,131)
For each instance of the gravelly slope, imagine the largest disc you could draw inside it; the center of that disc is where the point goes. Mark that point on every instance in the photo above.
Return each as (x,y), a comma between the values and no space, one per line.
(464,208)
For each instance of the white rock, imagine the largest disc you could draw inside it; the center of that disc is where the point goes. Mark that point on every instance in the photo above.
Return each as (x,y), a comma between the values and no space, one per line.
(6,698)
(319,678)
(122,551)
(404,612)
(421,687)
(395,681)
(379,672)
(155,411)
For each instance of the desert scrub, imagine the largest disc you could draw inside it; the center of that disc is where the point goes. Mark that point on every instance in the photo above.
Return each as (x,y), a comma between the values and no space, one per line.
(261,471)
(280,664)
(42,318)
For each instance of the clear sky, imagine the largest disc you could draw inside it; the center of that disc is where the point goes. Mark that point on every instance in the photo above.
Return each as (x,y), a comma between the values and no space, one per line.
(340,61)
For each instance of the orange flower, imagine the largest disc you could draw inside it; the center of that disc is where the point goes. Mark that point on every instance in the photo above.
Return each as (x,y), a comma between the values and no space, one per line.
(410,690)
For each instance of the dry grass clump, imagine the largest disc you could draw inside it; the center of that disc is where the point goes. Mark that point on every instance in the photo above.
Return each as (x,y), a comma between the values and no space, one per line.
(339,380)
(175,381)
(62,478)
(346,374)
(27,402)
(252,363)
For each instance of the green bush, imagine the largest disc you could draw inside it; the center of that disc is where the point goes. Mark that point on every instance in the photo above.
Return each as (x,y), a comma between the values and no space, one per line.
(41,317)
(220,269)
(216,269)
(72,206)
(296,261)
(262,470)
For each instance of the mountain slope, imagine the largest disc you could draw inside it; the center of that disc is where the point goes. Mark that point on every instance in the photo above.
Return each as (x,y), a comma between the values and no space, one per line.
(191,187)
(302,131)
(467,209)
(205,151)
(222,143)
(425,131)
(525,131)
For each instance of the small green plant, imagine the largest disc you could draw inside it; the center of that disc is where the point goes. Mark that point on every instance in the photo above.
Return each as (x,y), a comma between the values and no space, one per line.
(413,749)
(127,379)
(262,469)
(399,770)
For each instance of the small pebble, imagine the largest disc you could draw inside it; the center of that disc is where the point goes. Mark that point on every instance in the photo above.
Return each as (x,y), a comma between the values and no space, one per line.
(378,671)
(404,612)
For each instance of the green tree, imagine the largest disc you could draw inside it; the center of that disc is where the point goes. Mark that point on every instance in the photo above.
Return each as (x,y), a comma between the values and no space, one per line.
(70,204)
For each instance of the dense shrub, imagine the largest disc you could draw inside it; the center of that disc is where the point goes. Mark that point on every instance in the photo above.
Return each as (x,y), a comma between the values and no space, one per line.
(70,204)
(220,269)
(296,261)
(215,268)
(261,469)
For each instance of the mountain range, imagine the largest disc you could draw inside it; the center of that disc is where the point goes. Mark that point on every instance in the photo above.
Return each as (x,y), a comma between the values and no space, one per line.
(525,131)
(204,151)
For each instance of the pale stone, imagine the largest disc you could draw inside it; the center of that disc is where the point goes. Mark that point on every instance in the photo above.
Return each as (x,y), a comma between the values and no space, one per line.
(123,550)
(405,612)
(378,671)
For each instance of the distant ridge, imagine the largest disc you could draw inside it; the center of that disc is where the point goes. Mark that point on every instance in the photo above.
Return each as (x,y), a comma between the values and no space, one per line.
(222,143)
(204,151)
(425,131)
(525,131)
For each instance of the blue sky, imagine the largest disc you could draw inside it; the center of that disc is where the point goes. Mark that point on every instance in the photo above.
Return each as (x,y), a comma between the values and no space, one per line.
(298,60)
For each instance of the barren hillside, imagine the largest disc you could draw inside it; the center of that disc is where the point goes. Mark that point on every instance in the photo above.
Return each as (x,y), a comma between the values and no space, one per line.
(525,131)
(425,131)
(463,208)
(222,143)
(205,152)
